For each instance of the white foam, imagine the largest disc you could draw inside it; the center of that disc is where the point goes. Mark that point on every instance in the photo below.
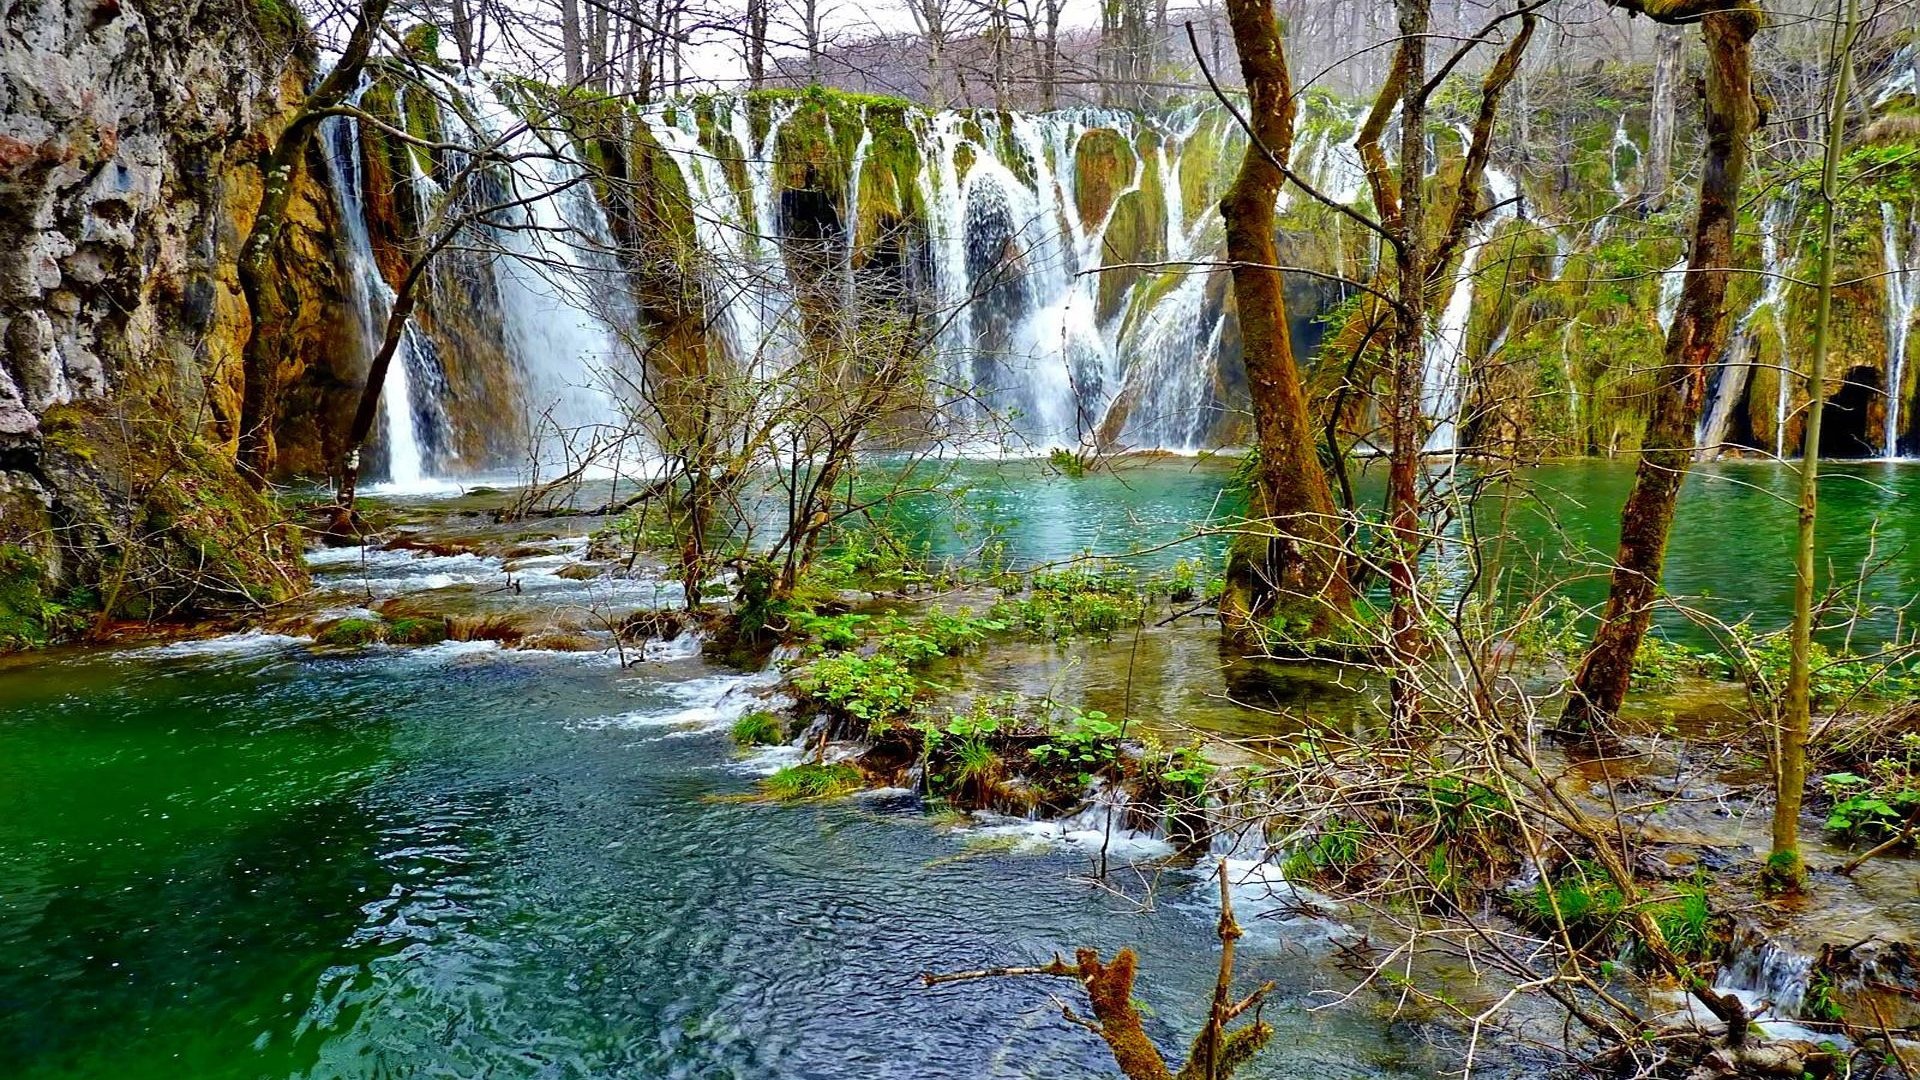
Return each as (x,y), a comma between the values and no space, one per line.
(243,643)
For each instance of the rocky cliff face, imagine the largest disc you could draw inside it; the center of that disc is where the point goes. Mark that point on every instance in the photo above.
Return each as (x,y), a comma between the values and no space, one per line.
(126,185)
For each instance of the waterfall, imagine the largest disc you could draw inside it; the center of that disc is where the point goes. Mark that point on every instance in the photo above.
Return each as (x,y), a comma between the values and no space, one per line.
(1733,373)
(1903,294)
(999,249)
(1442,384)
(1773,299)
(405,419)
(558,289)
(1671,280)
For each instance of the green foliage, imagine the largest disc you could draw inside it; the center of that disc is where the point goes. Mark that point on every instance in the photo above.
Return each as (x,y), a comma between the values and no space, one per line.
(29,618)
(1088,741)
(1334,849)
(1185,772)
(1586,899)
(1834,679)
(830,632)
(759,728)
(876,689)
(1075,602)
(1819,1002)
(1067,462)
(1873,809)
(813,781)
(1659,663)
(1687,921)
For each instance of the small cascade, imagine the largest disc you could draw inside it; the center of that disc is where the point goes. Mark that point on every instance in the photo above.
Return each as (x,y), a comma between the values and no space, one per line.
(1733,374)
(1903,295)
(410,420)
(1773,300)
(1622,145)
(1443,383)
(1671,281)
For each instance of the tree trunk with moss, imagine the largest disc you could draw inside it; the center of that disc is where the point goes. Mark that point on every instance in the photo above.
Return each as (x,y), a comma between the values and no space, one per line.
(1696,339)
(1288,564)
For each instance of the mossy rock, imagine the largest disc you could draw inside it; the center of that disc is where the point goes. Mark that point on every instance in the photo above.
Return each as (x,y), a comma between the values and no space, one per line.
(1104,164)
(353,631)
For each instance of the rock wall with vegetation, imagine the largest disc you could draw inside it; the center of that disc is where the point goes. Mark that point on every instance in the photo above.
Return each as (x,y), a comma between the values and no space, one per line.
(125,191)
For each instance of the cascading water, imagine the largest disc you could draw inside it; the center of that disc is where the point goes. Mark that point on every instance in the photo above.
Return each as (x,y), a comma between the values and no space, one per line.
(1733,373)
(1671,281)
(1442,389)
(1903,295)
(1001,247)
(406,418)
(559,290)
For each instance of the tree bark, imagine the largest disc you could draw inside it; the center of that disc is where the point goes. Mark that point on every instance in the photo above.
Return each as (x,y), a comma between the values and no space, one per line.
(1407,367)
(1296,570)
(1698,335)
(570,49)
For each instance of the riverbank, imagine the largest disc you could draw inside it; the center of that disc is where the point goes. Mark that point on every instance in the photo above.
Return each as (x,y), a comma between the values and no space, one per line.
(532,615)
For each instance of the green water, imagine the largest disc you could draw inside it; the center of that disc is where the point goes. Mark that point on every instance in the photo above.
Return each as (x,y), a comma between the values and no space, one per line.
(255,858)
(1730,554)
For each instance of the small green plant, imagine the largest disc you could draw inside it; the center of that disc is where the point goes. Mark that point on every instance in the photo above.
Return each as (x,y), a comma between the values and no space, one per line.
(1820,1003)
(759,728)
(1087,743)
(1687,921)
(828,632)
(1186,772)
(1584,897)
(812,781)
(1866,810)
(1335,848)
(1660,663)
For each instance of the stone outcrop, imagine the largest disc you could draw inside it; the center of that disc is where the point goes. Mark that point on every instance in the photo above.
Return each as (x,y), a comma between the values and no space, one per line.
(128,129)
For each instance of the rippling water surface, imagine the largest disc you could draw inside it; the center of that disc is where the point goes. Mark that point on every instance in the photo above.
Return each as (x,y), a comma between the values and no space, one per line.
(251,858)
(254,858)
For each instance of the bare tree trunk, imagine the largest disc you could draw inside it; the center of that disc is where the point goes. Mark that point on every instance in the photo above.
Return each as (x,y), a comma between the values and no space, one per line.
(1784,866)
(461,16)
(1669,53)
(597,73)
(1296,569)
(810,13)
(1696,338)
(570,42)
(1407,364)
(756,44)
(1050,62)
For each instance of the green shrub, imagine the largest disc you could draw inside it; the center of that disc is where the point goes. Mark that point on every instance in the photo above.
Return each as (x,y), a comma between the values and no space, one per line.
(1334,849)
(1586,898)
(1075,602)
(29,618)
(759,728)
(1687,922)
(875,689)
(813,781)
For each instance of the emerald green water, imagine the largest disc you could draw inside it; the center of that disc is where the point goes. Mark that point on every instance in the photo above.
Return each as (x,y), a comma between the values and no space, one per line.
(1730,553)
(255,858)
